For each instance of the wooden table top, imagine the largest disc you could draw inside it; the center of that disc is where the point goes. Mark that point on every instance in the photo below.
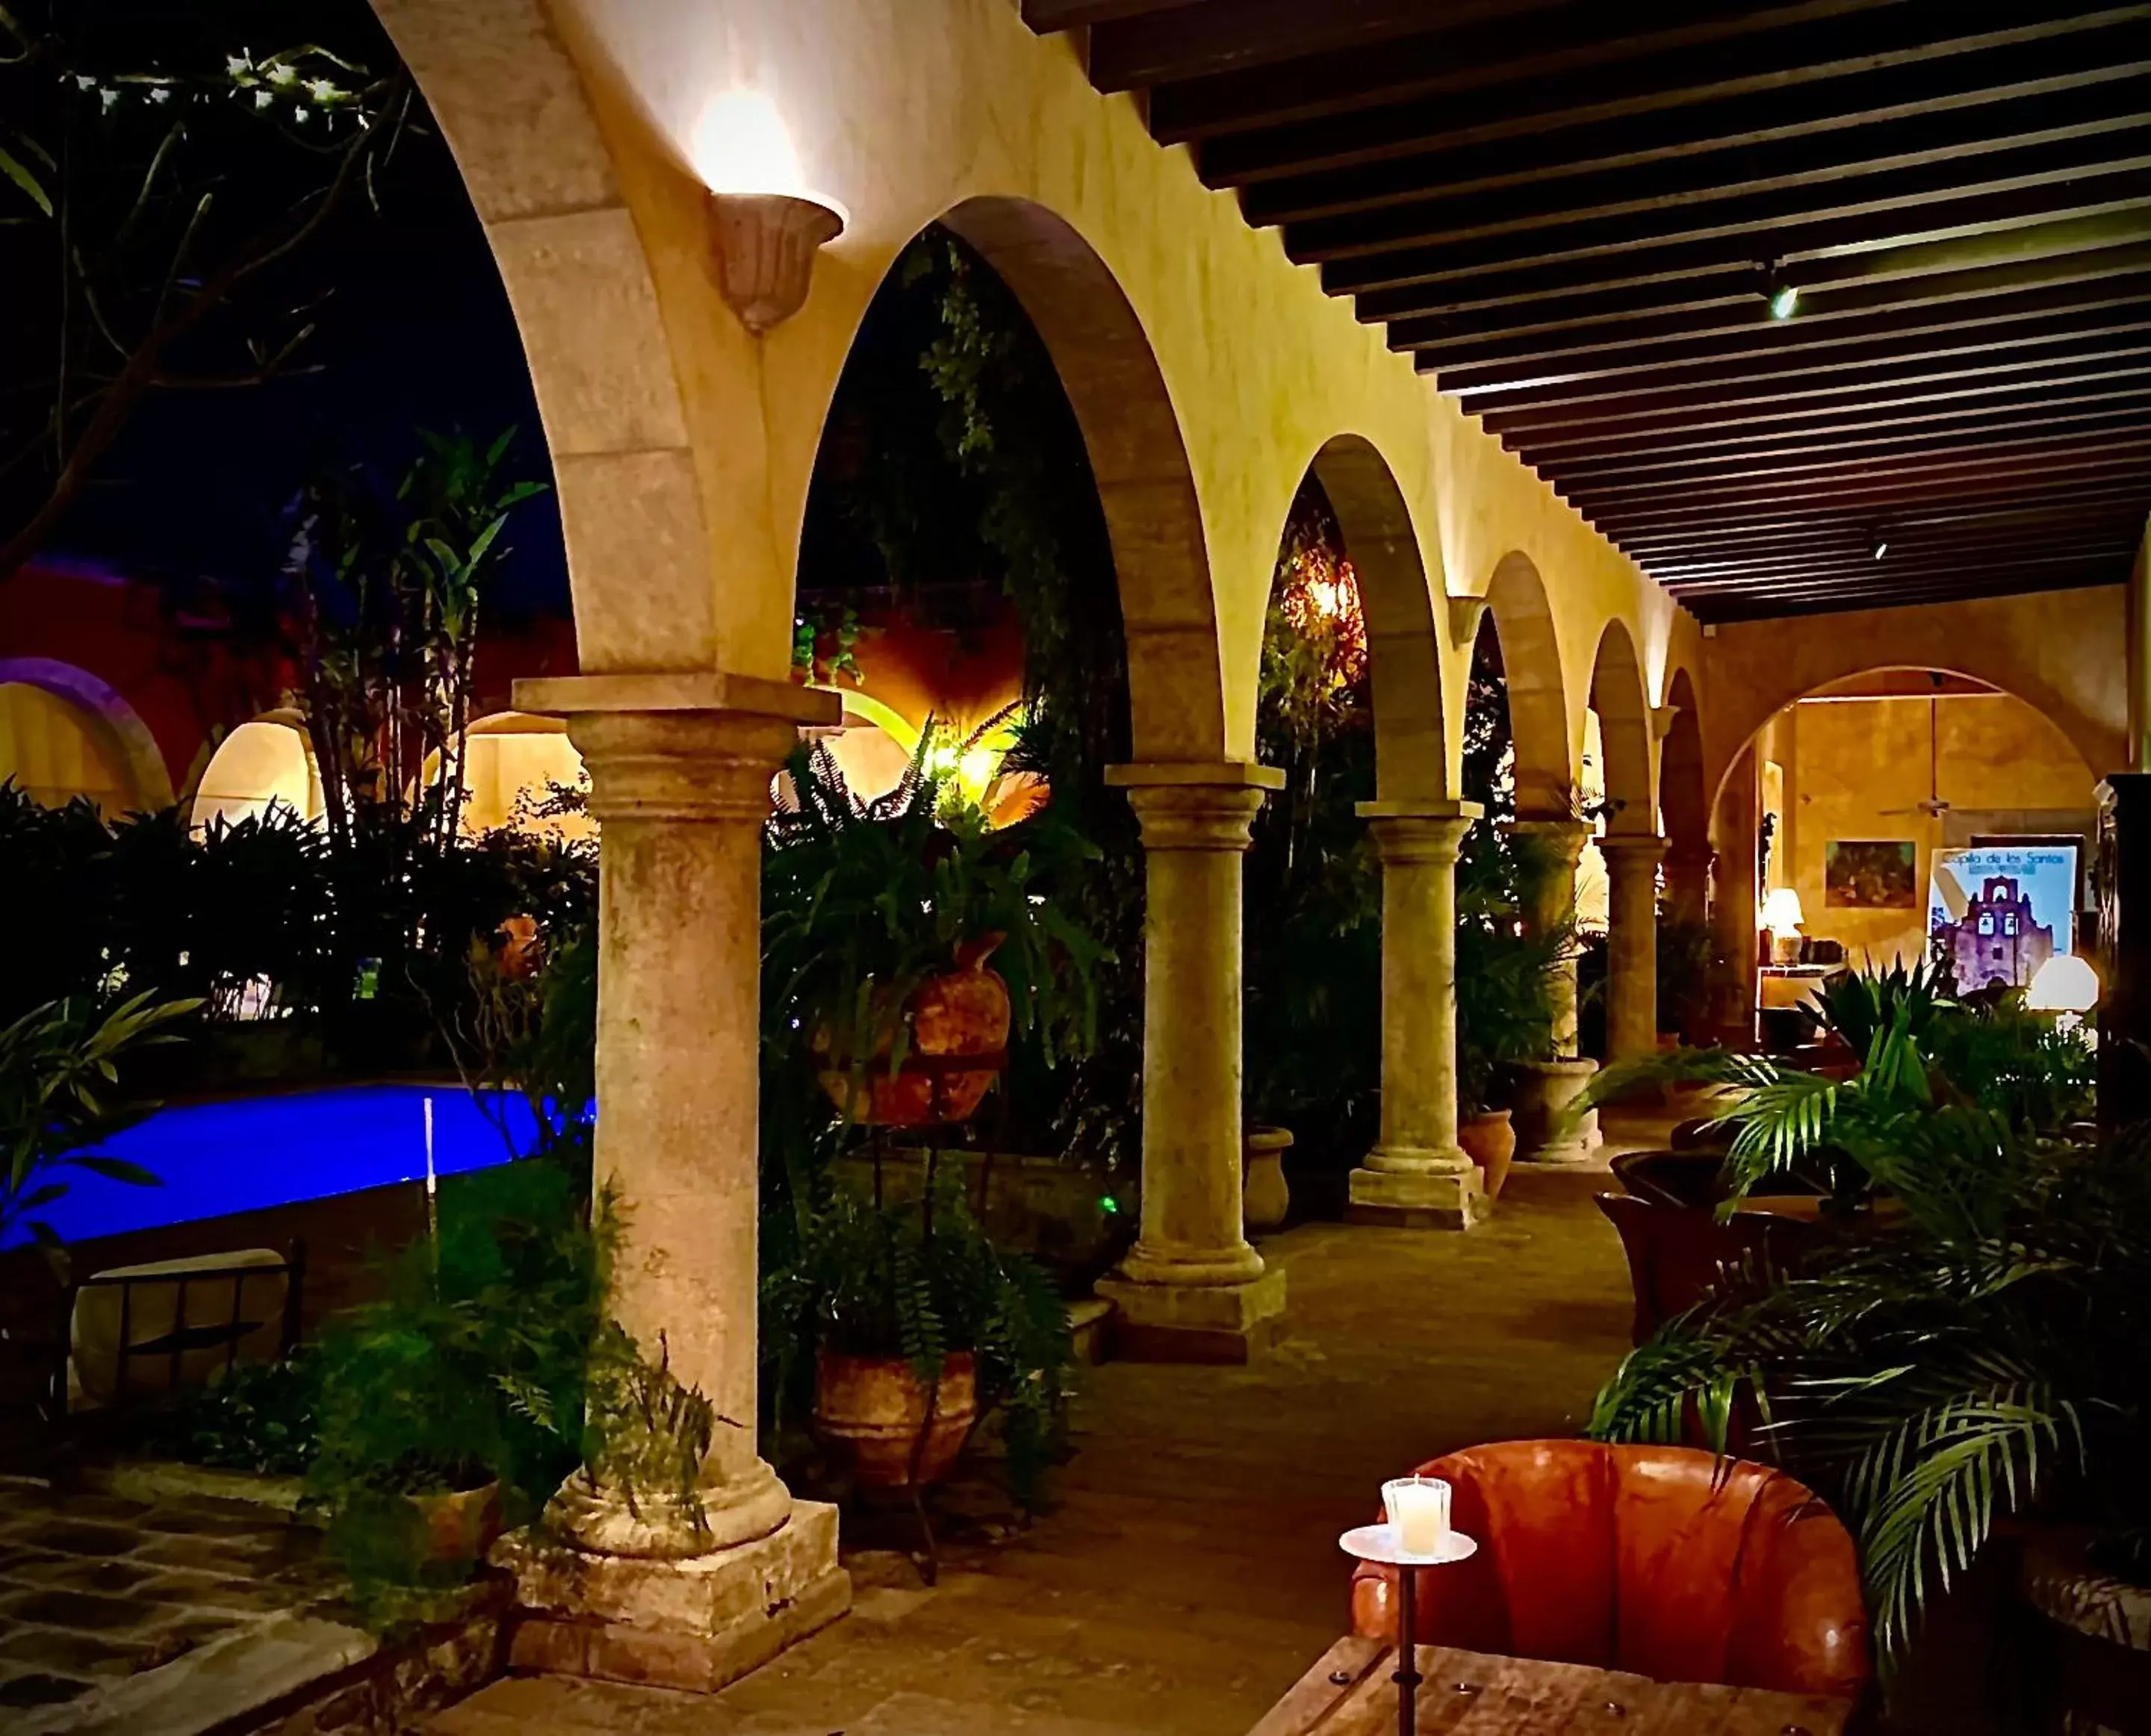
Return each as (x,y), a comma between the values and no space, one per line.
(1349,1692)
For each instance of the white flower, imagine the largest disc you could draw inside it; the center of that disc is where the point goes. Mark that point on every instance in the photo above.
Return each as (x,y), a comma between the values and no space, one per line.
(160,94)
(236,66)
(263,98)
(83,81)
(106,98)
(300,115)
(320,90)
(281,74)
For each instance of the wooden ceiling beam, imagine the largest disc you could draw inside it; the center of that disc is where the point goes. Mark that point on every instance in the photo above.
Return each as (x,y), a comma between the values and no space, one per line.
(1590,286)
(1780,138)
(2089,422)
(1798,361)
(1603,63)
(1850,420)
(1736,403)
(1514,226)
(1048,17)
(1940,578)
(1782,563)
(2123,503)
(1212,39)
(1740,307)
(2099,191)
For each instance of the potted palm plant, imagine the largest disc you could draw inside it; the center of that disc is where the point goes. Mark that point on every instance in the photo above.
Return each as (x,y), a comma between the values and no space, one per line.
(1505,981)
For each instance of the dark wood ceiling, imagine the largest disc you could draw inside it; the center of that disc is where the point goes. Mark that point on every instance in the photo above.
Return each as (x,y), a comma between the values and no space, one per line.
(1572,213)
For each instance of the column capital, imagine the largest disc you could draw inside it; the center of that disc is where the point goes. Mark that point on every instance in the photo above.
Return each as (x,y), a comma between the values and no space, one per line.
(1631,849)
(1419,834)
(1563,839)
(1196,805)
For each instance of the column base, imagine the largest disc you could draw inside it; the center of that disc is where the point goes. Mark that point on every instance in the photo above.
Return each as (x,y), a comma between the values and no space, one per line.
(1425,1193)
(1220,1323)
(1548,1131)
(695,1624)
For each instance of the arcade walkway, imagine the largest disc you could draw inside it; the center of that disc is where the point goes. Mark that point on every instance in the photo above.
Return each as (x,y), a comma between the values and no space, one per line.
(1189,1574)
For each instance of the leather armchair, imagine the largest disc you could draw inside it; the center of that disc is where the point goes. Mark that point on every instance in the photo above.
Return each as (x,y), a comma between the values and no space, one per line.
(1664,1561)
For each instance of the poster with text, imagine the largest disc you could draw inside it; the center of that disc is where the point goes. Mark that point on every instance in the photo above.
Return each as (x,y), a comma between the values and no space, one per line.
(1997,913)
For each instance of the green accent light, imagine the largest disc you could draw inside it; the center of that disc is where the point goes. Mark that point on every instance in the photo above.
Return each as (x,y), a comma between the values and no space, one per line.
(1108,1205)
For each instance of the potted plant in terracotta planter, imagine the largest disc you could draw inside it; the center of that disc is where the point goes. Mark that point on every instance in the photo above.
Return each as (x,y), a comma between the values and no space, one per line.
(919,1327)
(905,936)
(1504,1006)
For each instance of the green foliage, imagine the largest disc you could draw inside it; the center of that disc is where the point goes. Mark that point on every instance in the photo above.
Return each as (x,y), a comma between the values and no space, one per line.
(61,1093)
(1505,976)
(1926,1063)
(1988,1353)
(862,903)
(644,1431)
(922,1282)
(258,1417)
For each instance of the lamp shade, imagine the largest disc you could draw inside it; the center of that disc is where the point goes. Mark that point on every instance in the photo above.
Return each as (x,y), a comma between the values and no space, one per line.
(2065,983)
(1781,910)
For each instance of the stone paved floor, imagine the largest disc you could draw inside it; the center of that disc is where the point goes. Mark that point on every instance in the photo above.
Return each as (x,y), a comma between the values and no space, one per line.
(98,1589)
(1189,1572)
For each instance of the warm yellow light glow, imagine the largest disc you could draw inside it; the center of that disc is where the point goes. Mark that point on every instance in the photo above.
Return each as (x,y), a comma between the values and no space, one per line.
(2065,983)
(1781,910)
(740,144)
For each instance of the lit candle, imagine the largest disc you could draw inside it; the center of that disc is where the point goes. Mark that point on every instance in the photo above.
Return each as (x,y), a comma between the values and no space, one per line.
(1419,1508)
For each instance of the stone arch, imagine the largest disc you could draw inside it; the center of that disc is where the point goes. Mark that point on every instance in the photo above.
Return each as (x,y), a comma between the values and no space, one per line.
(267,761)
(1138,461)
(1683,795)
(515,113)
(1857,666)
(1538,699)
(1411,762)
(1618,696)
(111,723)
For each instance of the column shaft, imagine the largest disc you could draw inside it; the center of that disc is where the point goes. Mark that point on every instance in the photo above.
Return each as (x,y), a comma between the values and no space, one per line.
(1418,1174)
(1631,943)
(1193,1288)
(1550,903)
(681,798)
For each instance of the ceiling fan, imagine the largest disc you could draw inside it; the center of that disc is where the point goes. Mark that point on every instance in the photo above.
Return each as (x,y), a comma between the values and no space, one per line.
(1933,805)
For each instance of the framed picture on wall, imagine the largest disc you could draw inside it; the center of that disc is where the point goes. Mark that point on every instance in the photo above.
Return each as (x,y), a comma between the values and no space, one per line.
(1870,874)
(1999,912)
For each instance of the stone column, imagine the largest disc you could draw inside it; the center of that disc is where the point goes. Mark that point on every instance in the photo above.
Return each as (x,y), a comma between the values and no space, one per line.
(1192,1289)
(1688,880)
(1631,943)
(1735,898)
(1546,1131)
(681,792)
(1551,902)
(1417,1175)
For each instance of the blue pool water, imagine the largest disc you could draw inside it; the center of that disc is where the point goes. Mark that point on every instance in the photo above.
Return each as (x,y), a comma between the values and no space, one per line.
(216,1158)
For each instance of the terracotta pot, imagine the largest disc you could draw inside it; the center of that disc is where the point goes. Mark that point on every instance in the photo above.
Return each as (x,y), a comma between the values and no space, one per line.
(1265,1196)
(877,1406)
(461,1525)
(2099,1633)
(1489,1141)
(962,1013)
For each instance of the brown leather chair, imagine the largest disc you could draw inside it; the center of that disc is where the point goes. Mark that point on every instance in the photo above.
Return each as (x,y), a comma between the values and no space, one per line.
(1679,1255)
(1663,1561)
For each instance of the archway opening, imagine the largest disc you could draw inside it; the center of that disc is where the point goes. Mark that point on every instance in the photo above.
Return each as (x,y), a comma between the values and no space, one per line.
(1895,812)
(266,765)
(56,751)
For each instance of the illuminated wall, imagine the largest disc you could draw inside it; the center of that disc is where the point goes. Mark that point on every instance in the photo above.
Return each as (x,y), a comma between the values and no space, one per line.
(56,750)
(262,764)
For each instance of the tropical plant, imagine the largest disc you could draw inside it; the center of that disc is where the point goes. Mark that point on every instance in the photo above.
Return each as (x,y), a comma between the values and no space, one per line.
(1990,1355)
(61,1094)
(1506,969)
(863,902)
(922,1282)
(168,182)
(1920,1055)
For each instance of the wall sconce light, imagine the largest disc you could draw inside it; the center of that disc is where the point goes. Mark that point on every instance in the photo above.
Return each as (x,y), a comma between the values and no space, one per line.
(764,245)
(765,226)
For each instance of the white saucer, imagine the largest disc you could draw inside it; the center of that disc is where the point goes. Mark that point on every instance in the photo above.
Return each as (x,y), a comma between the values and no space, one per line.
(1382,1543)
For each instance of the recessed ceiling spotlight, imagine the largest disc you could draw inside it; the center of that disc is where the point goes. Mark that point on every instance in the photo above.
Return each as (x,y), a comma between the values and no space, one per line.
(1783,298)
(1881,547)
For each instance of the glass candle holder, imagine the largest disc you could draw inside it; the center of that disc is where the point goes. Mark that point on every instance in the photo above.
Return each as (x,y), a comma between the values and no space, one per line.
(1419,1508)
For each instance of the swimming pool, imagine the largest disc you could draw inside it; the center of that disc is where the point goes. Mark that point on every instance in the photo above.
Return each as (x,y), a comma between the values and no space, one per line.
(214,1159)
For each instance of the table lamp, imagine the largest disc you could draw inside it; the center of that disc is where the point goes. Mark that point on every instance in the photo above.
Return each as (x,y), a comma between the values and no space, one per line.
(1782,916)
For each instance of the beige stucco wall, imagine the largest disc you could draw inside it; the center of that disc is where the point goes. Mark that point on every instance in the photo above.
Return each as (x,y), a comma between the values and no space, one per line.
(1860,768)
(2063,653)
(684,448)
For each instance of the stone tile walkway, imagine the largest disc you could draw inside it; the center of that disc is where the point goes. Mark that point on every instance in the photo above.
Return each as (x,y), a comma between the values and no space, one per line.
(100,1592)
(1190,1571)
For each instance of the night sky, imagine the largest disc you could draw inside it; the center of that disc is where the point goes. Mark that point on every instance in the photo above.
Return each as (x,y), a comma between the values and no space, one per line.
(415,331)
